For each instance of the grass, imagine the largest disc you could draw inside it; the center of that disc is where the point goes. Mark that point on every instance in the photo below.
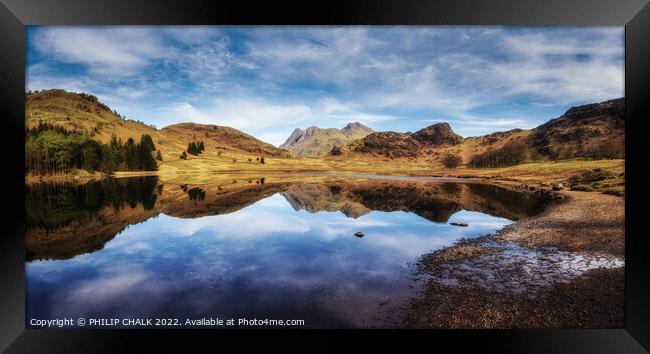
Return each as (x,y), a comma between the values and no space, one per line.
(606,181)
(532,172)
(236,165)
(549,171)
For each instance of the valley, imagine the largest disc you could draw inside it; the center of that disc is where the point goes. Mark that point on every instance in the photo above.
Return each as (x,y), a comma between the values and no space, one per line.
(585,138)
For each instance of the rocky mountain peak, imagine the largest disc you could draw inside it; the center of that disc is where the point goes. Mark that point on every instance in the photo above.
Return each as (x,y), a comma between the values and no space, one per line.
(438,134)
(356,129)
(353,125)
(295,137)
(312,130)
(316,141)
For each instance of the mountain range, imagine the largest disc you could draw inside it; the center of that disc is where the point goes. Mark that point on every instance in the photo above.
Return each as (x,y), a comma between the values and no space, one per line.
(593,130)
(315,141)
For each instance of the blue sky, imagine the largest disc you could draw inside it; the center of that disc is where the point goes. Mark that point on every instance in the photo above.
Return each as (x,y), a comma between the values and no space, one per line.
(268,81)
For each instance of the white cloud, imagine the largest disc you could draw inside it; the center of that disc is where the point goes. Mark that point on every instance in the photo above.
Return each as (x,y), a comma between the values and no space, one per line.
(340,113)
(547,67)
(561,69)
(498,122)
(281,78)
(207,61)
(191,35)
(365,118)
(113,51)
(129,92)
(420,88)
(268,121)
(43,82)
(275,138)
(325,54)
(243,113)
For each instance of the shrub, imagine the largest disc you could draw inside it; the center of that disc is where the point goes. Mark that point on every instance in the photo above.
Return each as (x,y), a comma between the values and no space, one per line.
(452,160)
(512,153)
(195,148)
(605,150)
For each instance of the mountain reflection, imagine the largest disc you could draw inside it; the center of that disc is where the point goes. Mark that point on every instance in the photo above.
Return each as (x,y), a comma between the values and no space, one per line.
(65,220)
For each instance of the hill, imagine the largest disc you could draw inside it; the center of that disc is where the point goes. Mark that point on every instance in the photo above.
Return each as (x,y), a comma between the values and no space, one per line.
(315,141)
(594,131)
(424,143)
(85,114)
(217,138)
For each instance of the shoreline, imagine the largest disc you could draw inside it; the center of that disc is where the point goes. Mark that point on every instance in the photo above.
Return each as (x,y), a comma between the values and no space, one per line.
(572,173)
(532,172)
(563,268)
(88,177)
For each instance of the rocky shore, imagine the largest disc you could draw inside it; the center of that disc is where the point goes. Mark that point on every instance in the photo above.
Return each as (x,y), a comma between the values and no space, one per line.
(563,268)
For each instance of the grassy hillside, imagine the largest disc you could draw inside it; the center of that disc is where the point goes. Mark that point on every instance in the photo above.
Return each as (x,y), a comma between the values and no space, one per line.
(85,114)
(593,130)
(218,140)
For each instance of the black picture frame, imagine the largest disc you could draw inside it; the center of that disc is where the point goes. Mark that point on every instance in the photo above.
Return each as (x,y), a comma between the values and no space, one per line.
(633,14)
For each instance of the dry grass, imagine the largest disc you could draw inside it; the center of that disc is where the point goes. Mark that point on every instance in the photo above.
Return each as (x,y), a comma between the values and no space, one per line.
(534,172)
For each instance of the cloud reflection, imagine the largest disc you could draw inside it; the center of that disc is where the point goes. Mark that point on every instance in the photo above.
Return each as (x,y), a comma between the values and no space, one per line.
(263,260)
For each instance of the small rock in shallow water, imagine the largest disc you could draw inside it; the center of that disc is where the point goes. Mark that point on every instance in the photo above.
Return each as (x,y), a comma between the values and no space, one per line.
(458,223)
(358,234)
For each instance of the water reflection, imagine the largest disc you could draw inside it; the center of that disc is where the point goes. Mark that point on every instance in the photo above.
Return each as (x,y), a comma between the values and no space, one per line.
(65,220)
(279,250)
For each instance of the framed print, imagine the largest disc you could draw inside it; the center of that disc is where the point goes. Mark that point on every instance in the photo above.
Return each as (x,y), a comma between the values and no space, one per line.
(437,171)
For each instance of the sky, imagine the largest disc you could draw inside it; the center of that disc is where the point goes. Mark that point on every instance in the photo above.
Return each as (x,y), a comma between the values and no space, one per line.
(267,81)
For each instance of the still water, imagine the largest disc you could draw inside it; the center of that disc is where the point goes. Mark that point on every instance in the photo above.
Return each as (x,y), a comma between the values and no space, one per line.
(251,248)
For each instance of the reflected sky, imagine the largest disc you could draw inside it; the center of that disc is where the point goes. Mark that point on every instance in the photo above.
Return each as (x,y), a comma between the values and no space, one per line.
(266,260)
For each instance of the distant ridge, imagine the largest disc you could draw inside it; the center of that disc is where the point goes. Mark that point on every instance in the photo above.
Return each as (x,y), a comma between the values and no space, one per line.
(315,141)
(593,130)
